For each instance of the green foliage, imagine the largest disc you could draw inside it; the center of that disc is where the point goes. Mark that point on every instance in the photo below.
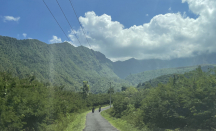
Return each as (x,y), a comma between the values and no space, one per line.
(174,77)
(85,89)
(185,102)
(78,124)
(27,104)
(111,90)
(60,64)
(146,76)
(123,88)
(120,124)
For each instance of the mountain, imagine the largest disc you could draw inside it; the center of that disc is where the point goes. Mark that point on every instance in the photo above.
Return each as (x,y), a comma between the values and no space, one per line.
(60,64)
(151,74)
(133,66)
(64,64)
(179,71)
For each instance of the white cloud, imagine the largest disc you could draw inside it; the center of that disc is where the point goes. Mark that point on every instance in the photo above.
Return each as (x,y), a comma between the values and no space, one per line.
(147,15)
(172,35)
(184,15)
(24,35)
(55,40)
(170,9)
(29,38)
(10,18)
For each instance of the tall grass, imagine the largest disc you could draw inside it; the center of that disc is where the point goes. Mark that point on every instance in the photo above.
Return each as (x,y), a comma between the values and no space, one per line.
(79,123)
(118,123)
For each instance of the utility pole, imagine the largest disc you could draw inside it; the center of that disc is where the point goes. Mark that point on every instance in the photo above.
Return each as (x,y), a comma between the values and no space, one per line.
(110,94)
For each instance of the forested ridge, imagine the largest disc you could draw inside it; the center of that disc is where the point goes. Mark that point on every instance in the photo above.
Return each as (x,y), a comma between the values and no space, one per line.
(42,84)
(60,64)
(64,64)
(186,71)
(134,66)
(185,103)
(152,74)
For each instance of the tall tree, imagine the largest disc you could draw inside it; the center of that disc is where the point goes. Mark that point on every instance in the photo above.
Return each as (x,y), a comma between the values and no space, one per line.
(85,89)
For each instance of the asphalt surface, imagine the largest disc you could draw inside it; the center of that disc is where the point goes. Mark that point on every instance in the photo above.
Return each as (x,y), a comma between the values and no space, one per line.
(95,122)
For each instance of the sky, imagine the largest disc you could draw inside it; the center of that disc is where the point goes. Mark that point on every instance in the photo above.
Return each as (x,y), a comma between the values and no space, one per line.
(120,29)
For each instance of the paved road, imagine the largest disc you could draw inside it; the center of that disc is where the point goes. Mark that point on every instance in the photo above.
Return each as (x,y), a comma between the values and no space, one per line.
(95,122)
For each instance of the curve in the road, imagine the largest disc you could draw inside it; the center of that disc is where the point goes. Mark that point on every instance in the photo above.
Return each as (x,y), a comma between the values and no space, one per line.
(95,122)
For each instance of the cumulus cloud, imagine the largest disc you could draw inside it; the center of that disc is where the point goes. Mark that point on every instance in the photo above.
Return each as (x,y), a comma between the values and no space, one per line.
(167,36)
(55,39)
(170,9)
(146,14)
(24,35)
(10,18)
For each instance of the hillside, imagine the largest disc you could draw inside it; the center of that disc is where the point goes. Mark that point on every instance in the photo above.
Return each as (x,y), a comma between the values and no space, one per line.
(183,103)
(64,64)
(148,75)
(61,64)
(165,78)
(133,66)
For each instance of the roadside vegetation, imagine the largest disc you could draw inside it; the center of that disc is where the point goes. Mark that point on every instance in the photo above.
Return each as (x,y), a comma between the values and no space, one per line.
(184,103)
(177,102)
(118,123)
(29,105)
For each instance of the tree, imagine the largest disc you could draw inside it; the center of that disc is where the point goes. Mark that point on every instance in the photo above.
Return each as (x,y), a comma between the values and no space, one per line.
(131,91)
(123,88)
(85,89)
(174,80)
(111,90)
(199,71)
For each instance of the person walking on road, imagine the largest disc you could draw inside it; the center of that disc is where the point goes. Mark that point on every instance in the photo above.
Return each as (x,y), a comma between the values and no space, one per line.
(99,108)
(93,110)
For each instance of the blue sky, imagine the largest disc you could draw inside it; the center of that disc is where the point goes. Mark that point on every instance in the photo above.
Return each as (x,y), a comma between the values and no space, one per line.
(37,22)
(23,19)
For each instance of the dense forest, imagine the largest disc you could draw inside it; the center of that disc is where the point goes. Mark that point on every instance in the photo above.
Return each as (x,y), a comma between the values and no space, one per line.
(27,104)
(186,71)
(63,64)
(60,64)
(148,75)
(41,84)
(185,102)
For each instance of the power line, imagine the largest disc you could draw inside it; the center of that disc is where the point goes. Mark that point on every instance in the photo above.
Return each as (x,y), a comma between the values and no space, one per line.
(82,28)
(56,20)
(68,22)
(80,23)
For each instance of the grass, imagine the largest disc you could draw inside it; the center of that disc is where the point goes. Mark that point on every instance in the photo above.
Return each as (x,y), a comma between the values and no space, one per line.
(120,124)
(72,122)
(123,125)
(79,123)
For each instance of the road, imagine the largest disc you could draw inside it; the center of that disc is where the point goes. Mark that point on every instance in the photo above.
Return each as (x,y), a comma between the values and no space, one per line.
(95,122)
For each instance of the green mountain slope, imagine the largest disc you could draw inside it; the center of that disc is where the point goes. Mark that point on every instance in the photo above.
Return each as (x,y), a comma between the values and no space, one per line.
(148,75)
(165,78)
(61,64)
(134,66)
